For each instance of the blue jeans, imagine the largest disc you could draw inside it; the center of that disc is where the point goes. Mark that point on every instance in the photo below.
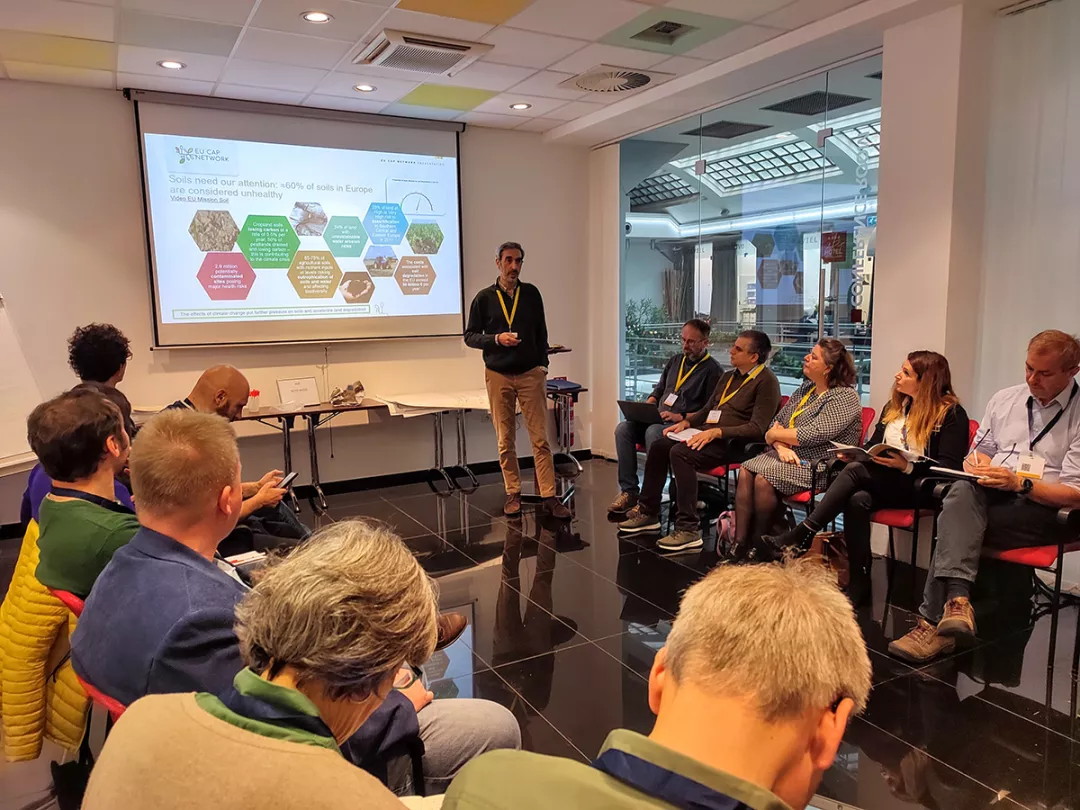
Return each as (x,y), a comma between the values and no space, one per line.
(627,436)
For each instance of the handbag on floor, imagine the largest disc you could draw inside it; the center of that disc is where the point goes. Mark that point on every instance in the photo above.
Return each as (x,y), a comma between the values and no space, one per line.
(725,534)
(830,549)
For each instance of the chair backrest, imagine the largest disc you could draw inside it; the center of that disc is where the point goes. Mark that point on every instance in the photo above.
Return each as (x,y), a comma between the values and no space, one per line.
(73,603)
(783,400)
(114,707)
(973,428)
(867,422)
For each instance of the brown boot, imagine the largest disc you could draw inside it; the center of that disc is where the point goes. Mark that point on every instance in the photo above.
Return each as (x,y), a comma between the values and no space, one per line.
(623,504)
(557,509)
(922,644)
(512,508)
(958,619)
(451,626)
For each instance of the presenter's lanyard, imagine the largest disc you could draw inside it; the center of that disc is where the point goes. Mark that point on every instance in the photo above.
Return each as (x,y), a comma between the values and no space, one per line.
(725,398)
(802,407)
(684,377)
(513,312)
(89,497)
(1049,425)
(660,783)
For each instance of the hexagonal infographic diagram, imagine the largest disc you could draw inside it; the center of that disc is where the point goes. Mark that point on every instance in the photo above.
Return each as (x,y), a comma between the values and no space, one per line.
(268,241)
(226,276)
(385,223)
(213,230)
(415,275)
(357,287)
(315,274)
(346,237)
(424,238)
(381,261)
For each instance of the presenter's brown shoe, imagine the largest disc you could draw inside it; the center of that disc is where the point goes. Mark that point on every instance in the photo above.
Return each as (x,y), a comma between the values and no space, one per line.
(512,508)
(451,626)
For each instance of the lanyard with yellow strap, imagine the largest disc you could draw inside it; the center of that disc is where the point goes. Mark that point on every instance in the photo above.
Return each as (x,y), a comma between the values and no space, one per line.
(681,378)
(725,398)
(802,406)
(513,312)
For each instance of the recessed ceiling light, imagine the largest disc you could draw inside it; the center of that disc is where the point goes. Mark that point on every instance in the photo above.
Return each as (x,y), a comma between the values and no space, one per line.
(171,64)
(521,105)
(365,88)
(316,16)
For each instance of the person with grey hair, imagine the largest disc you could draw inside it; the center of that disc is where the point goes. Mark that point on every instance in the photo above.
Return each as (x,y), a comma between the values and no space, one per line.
(323,634)
(752,693)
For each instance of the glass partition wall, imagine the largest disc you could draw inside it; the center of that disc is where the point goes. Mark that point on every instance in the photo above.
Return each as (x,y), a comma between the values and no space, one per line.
(760,214)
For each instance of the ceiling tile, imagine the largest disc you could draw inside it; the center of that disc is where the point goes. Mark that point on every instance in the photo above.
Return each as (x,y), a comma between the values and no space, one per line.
(57,74)
(493,12)
(480,119)
(291,49)
(198,66)
(166,84)
(446,97)
(587,20)
(515,47)
(737,41)
(271,74)
(259,94)
(681,65)
(804,12)
(340,103)
(43,49)
(546,84)
(501,105)
(745,10)
(60,18)
(486,76)
(574,110)
(538,125)
(412,111)
(96,2)
(415,22)
(596,54)
(231,12)
(193,36)
(351,20)
(342,84)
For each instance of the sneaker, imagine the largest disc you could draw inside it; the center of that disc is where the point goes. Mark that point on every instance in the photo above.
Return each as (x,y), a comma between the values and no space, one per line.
(513,504)
(557,509)
(922,644)
(680,541)
(637,520)
(958,619)
(623,504)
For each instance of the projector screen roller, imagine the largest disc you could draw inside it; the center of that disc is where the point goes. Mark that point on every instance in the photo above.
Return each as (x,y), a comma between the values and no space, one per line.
(267,229)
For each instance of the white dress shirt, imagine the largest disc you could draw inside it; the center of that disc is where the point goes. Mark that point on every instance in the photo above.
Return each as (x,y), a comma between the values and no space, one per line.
(1004,432)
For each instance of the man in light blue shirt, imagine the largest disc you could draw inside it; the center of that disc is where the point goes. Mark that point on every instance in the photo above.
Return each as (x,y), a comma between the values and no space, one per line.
(1026,466)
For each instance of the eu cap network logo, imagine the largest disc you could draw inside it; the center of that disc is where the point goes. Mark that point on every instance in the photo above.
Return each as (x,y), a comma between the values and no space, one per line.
(203,157)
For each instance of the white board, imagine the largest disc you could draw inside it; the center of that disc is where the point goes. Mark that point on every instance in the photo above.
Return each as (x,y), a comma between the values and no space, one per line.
(19,394)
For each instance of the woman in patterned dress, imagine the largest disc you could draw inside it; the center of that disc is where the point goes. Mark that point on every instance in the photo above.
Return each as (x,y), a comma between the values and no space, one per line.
(822,410)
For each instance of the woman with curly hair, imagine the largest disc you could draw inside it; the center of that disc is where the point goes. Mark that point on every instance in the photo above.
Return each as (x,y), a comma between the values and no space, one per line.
(99,353)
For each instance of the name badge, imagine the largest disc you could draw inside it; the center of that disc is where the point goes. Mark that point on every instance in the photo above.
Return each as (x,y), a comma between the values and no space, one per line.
(671,399)
(713,417)
(1031,466)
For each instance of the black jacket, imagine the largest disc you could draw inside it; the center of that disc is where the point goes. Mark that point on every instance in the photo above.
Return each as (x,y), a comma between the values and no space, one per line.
(948,443)
(487,319)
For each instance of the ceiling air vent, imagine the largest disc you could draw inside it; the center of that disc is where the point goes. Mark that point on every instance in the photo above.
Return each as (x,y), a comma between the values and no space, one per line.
(726,130)
(420,54)
(665,32)
(815,103)
(612,79)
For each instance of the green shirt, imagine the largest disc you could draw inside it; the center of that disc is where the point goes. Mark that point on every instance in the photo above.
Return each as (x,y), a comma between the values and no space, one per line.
(77,540)
(521,780)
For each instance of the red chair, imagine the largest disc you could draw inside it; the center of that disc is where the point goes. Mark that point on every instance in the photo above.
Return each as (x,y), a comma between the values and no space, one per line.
(73,603)
(113,706)
(805,499)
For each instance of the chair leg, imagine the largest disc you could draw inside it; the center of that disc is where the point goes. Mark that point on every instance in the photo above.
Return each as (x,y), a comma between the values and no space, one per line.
(915,542)
(1054,610)
(892,547)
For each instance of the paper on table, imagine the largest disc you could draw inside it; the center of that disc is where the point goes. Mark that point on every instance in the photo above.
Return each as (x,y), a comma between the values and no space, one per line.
(684,435)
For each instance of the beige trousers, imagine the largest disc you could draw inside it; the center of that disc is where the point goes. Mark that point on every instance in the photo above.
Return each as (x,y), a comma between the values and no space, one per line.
(530,389)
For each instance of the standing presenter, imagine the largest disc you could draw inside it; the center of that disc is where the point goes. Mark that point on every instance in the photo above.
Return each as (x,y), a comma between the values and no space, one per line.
(506,321)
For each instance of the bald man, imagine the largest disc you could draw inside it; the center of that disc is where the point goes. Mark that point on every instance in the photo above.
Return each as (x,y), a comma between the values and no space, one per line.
(222,390)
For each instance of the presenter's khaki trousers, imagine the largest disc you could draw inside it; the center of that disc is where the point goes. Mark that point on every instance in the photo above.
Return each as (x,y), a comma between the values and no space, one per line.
(505,391)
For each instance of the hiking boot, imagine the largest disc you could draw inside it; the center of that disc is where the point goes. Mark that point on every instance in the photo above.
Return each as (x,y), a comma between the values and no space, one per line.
(623,504)
(638,520)
(557,509)
(513,504)
(450,627)
(922,644)
(958,619)
(681,540)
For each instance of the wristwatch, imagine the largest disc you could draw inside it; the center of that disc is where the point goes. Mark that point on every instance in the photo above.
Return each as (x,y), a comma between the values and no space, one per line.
(1026,485)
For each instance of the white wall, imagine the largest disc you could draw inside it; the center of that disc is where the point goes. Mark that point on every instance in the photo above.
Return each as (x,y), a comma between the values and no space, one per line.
(72,225)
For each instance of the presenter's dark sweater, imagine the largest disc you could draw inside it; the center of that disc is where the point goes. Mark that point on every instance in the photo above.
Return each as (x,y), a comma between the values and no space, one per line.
(487,319)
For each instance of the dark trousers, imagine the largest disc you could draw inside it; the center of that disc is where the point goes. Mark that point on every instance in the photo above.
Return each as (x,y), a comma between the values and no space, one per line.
(684,464)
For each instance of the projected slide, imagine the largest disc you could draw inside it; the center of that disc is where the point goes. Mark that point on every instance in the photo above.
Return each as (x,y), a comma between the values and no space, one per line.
(248,231)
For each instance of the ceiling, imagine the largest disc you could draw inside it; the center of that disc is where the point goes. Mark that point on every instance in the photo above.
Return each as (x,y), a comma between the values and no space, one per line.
(263,50)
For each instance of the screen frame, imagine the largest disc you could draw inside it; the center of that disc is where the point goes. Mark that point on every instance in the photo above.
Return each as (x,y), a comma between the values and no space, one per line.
(135,96)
